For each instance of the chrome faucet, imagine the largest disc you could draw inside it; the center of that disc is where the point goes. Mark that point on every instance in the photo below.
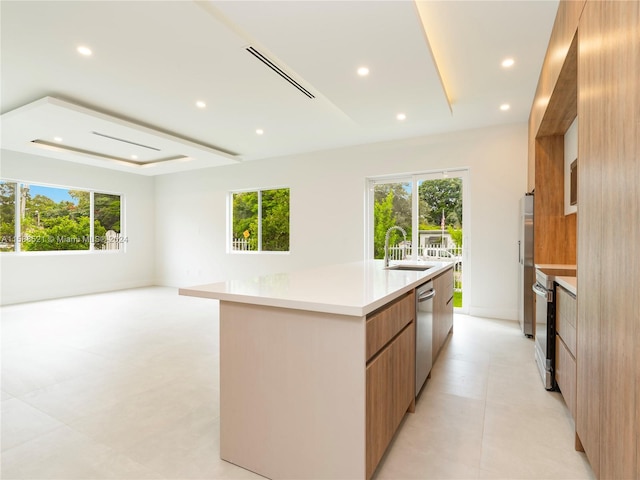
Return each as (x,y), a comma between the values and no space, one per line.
(386,242)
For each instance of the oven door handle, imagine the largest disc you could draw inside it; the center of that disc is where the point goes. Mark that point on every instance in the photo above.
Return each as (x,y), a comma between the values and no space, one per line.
(540,291)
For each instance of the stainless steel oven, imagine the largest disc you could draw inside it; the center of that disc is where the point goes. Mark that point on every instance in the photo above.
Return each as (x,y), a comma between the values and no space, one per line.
(545,313)
(545,328)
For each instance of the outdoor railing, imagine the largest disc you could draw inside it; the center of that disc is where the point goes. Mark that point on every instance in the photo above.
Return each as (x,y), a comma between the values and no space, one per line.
(433,252)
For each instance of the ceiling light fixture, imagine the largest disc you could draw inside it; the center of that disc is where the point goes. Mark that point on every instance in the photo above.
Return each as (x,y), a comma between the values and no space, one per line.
(504,107)
(134,157)
(201,104)
(57,139)
(508,62)
(259,131)
(363,71)
(86,51)
(401,116)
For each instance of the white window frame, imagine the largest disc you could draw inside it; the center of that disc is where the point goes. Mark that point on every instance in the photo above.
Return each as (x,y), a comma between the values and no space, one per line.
(229,233)
(18,227)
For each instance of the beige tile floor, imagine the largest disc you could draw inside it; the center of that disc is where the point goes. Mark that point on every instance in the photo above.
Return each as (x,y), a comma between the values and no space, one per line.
(125,385)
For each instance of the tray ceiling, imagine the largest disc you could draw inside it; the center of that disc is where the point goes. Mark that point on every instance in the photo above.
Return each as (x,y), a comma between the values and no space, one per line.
(438,63)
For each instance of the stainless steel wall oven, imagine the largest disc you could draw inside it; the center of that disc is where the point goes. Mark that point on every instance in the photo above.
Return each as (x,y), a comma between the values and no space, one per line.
(545,313)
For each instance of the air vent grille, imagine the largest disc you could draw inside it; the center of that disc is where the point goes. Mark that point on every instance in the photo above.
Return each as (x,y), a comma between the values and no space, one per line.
(269,63)
(125,141)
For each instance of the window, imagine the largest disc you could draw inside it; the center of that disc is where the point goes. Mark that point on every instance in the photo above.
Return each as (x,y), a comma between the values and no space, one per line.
(260,221)
(429,208)
(37,218)
(7,216)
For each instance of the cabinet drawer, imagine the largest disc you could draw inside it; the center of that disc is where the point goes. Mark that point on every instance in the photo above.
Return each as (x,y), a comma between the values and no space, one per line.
(566,315)
(566,375)
(390,392)
(383,325)
(445,281)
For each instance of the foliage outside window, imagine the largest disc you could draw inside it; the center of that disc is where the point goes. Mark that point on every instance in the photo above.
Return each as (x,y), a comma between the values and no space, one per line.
(430,211)
(260,220)
(392,206)
(36,218)
(439,208)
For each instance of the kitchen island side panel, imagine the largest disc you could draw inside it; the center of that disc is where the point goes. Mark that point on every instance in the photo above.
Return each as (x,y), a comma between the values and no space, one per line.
(292,392)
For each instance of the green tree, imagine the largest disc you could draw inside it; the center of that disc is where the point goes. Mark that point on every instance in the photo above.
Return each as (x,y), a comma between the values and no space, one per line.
(7,216)
(62,233)
(441,195)
(275,220)
(245,215)
(401,202)
(384,219)
(83,206)
(456,235)
(107,210)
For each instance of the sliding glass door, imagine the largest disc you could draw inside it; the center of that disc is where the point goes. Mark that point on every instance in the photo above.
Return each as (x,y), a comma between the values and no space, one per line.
(430,208)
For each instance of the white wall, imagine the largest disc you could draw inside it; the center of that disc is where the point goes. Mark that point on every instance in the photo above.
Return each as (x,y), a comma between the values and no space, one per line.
(328,210)
(37,276)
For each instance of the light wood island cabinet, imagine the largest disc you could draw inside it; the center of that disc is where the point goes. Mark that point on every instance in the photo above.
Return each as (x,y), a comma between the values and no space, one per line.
(442,310)
(316,375)
(390,375)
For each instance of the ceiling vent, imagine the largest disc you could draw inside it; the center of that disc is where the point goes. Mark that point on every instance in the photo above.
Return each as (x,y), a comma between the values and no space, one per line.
(125,141)
(271,64)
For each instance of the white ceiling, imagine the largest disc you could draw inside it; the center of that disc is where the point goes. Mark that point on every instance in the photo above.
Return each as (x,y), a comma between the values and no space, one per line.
(152,60)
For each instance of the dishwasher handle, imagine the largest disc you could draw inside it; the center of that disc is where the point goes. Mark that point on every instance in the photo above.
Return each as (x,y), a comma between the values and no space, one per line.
(428,295)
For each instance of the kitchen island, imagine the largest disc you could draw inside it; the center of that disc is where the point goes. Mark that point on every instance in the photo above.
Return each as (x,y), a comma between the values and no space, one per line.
(304,357)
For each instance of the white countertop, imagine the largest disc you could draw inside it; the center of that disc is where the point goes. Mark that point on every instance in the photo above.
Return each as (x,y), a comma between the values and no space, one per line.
(569,283)
(347,289)
(556,266)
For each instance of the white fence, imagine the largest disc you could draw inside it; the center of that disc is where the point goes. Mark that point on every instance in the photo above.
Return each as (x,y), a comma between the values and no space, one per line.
(427,252)
(244,244)
(432,252)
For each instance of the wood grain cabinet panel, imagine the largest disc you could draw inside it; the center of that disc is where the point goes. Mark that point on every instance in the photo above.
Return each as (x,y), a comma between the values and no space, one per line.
(566,316)
(385,324)
(608,330)
(566,375)
(390,393)
(442,310)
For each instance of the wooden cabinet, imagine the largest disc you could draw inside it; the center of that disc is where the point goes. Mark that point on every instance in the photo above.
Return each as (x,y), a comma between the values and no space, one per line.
(600,69)
(608,343)
(566,315)
(383,325)
(390,375)
(442,310)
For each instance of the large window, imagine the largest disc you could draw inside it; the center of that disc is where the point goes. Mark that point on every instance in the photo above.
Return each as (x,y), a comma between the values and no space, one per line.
(260,220)
(37,218)
(429,208)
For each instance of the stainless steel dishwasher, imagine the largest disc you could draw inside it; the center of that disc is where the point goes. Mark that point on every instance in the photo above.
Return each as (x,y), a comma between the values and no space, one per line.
(424,332)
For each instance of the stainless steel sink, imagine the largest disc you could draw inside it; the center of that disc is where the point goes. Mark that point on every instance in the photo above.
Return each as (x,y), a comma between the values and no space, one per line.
(415,268)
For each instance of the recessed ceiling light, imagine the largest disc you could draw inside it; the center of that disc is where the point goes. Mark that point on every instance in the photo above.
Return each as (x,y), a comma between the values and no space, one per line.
(508,62)
(201,104)
(259,131)
(86,51)
(363,71)
(504,107)
(134,157)
(57,139)
(401,116)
